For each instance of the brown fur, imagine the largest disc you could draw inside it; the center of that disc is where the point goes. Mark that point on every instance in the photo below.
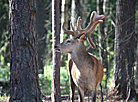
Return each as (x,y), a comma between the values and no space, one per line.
(98,70)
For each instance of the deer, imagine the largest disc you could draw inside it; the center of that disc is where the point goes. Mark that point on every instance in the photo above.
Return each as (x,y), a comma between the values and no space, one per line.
(85,70)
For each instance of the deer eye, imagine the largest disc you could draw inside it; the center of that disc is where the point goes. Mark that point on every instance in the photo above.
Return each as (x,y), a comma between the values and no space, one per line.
(68,41)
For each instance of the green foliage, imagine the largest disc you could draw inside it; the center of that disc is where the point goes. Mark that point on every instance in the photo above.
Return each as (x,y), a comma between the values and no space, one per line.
(4,98)
(64,75)
(46,78)
(48,48)
(134,100)
(2,59)
(4,34)
(64,80)
(5,73)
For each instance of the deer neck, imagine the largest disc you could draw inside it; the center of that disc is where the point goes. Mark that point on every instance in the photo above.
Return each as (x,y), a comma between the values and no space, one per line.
(80,56)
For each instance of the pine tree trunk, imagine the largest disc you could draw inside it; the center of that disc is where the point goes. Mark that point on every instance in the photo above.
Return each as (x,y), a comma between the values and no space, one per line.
(64,17)
(102,39)
(136,74)
(24,86)
(40,21)
(104,46)
(124,47)
(73,14)
(48,30)
(56,94)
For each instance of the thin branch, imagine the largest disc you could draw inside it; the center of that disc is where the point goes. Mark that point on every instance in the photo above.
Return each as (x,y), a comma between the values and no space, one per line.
(2,48)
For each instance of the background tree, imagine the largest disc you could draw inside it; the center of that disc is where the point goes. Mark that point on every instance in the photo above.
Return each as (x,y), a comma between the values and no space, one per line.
(23,65)
(124,48)
(73,14)
(136,32)
(64,17)
(48,32)
(56,94)
(40,22)
(102,10)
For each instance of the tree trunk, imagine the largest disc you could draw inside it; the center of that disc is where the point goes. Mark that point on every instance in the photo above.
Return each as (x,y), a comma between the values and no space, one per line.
(40,21)
(56,94)
(24,86)
(136,73)
(124,47)
(81,10)
(102,38)
(100,27)
(64,18)
(48,30)
(78,8)
(73,14)
(104,46)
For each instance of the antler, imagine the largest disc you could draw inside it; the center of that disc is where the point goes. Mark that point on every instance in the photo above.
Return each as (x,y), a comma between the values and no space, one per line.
(94,20)
(92,29)
(67,31)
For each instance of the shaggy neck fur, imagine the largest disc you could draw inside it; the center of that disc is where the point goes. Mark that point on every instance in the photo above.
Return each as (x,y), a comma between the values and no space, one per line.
(81,57)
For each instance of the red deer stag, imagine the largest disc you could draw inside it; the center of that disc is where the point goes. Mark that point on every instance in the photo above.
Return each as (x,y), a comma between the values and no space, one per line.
(85,71)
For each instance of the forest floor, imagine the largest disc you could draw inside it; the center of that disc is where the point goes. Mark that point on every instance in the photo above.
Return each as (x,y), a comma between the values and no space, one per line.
(65,98)
(88,99)
(107,97)
(111,96)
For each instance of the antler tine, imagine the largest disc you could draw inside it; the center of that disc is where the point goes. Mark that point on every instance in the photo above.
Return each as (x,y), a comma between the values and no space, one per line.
(92,29)
(67,31)
(75,33)
(79,25)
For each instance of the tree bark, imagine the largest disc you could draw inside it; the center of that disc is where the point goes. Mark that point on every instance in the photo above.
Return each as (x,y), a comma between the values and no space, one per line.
(24,86)
(73,14)
(40,21)
(56,93)
(102,38)
(48,27)
(124,46)
(64,18)
(136,74)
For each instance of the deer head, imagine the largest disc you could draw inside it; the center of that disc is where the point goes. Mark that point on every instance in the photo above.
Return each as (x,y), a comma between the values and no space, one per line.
(79,36)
